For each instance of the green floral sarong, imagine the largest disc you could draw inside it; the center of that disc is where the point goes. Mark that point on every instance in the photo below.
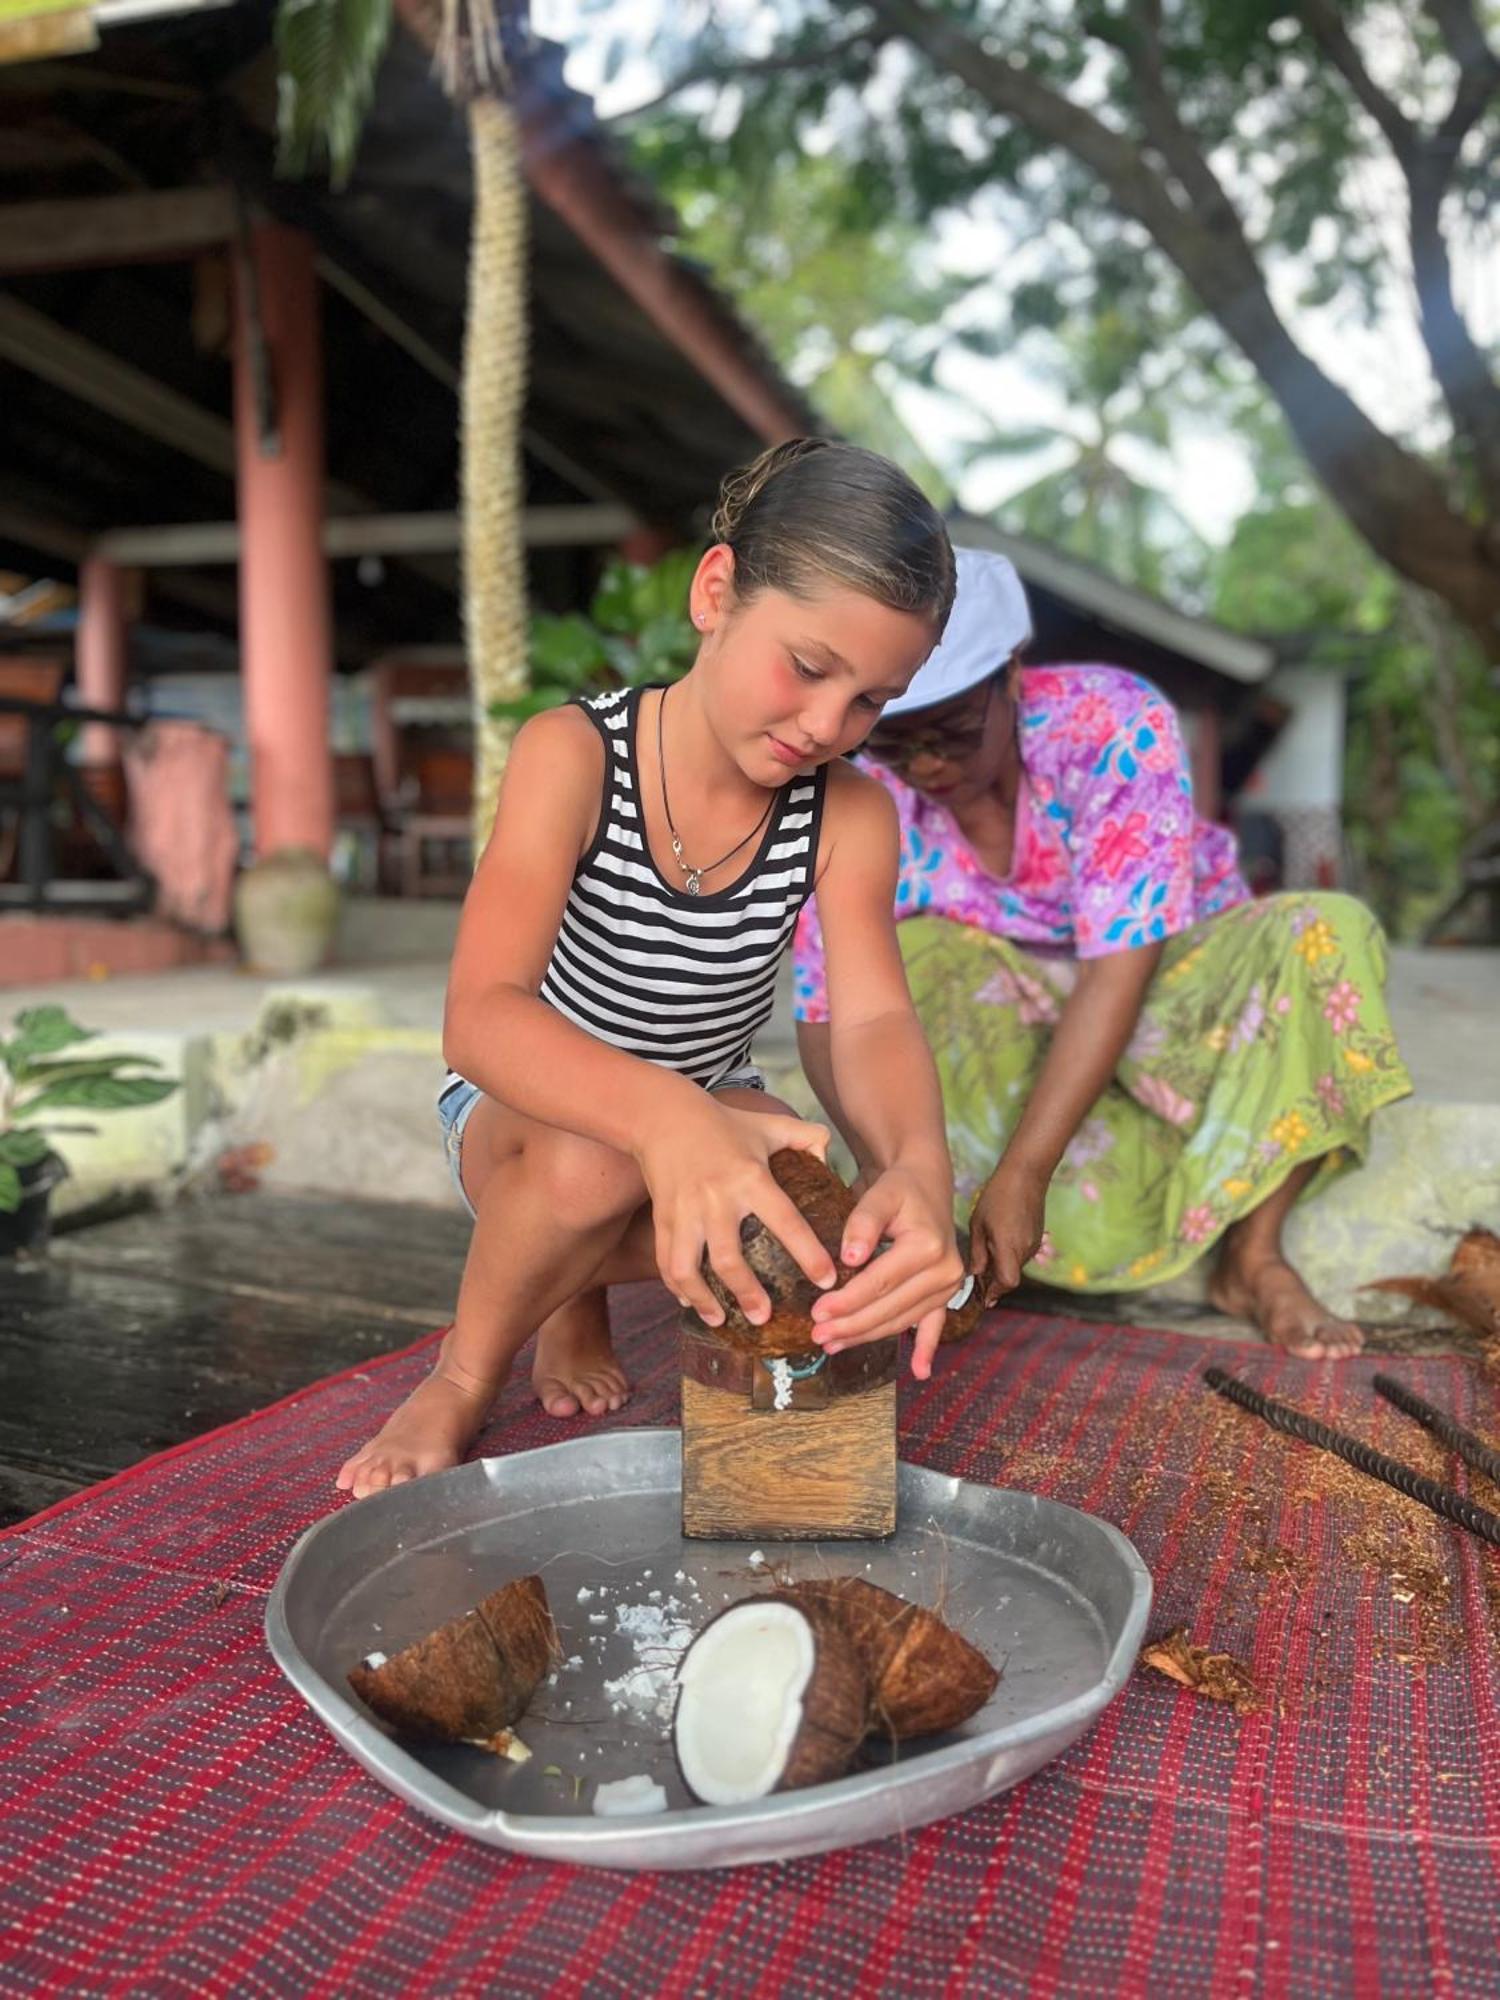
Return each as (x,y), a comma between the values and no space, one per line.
(1263,1042)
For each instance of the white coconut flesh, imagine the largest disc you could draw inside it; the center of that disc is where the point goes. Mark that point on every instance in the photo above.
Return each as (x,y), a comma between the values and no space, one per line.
(740,1706)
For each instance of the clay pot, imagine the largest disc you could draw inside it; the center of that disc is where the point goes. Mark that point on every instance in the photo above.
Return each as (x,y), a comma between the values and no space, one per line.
(286,909)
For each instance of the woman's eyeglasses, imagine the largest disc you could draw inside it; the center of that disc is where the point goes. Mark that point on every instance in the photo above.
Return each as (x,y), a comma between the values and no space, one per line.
(901,744)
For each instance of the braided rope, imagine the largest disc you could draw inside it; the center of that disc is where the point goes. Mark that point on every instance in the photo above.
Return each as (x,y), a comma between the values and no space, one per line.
(1473,1450)
(494,390)
(1428,1492)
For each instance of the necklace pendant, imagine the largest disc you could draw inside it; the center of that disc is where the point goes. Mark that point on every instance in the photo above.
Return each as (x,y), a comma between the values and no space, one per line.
(694,882)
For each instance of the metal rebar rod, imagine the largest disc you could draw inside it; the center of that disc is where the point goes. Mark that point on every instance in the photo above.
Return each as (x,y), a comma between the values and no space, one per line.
(1415,1485)
(1471,1449)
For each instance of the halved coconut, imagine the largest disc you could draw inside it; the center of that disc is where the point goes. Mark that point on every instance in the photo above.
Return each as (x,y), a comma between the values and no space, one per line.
(923,1675)
(472,1678)
(771,1698)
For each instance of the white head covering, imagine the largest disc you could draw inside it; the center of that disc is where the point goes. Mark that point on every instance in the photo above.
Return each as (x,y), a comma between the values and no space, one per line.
(989,619)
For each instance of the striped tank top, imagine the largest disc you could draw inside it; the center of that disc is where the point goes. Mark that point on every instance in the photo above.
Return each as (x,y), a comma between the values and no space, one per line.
(686,982)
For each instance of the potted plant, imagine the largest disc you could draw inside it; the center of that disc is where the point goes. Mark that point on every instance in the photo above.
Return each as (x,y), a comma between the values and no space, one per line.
(637,630)
(38,1081)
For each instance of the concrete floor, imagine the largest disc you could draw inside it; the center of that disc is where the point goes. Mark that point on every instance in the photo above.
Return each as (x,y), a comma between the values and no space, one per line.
(1445,1004)
(344,1105)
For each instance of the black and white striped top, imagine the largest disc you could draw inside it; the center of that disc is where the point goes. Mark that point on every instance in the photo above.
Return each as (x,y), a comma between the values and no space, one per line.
(684,981)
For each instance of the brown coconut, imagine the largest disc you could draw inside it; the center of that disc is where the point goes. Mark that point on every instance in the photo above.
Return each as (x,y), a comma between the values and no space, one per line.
(472,1678)
(827,1205)
(923,1675)
(771,1697)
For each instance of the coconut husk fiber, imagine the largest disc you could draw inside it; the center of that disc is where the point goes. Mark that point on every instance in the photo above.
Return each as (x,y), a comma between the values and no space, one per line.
(469,1681)
(923,1675)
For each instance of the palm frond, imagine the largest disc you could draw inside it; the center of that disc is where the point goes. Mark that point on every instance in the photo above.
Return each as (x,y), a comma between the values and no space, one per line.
(328,53)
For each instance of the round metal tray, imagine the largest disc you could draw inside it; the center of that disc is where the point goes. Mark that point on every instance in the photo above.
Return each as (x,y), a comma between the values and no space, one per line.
(1056,1598)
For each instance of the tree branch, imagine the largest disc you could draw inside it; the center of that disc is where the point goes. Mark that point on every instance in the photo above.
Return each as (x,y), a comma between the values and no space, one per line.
(1463,35)
(1324,21)
(1427,165)
(731,71)
(1139,40)
(1393,497)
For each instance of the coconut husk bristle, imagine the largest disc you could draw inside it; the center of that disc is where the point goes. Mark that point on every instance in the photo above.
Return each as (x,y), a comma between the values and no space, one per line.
(827,1204)
(923,1675)
(472,1678)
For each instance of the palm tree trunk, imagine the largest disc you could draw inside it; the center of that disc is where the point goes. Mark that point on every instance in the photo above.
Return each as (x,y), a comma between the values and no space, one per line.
(494,387)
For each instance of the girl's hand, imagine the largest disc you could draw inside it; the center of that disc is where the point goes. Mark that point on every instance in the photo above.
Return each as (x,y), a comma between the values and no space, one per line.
(908,1284)
(1005,1230)
(705,1172)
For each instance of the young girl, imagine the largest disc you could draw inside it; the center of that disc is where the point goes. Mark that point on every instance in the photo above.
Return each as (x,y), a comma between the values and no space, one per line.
(618,952)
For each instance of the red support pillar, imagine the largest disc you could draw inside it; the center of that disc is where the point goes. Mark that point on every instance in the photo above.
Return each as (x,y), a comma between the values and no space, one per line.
(286,637)
(104,591)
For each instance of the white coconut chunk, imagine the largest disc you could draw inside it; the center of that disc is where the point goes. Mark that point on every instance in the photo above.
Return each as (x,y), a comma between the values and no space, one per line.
(373,1660)
(638,1794)
(740,1705)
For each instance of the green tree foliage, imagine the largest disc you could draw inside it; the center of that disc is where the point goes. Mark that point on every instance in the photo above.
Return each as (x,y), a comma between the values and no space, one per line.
(1251,152)
(1106,499)
(849,302)
(1422,760)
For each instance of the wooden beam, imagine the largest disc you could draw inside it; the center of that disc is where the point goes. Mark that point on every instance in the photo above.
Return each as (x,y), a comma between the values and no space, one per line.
(91,373)
(192,542)
(96,376)
(113,229)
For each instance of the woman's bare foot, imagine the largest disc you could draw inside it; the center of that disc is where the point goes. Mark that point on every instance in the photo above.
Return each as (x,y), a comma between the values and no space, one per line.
(1269,1292)
(429,1432)
(575,1371)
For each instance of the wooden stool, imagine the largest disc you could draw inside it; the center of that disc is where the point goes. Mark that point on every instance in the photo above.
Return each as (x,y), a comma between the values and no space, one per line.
(796,1447)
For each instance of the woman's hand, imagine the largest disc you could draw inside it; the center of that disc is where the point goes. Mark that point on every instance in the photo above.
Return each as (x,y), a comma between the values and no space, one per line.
(908,1284)
(705,1171)
(1005,1230)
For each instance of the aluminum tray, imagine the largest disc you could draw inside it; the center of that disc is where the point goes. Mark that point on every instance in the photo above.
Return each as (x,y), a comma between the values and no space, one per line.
(1059,1597)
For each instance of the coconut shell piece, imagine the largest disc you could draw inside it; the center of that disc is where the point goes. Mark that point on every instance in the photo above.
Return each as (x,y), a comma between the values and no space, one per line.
(923,1675)
(472,1678)
(1468,1292)
(746,1725)
(961,1320)
(1216,1676)
(835,1705)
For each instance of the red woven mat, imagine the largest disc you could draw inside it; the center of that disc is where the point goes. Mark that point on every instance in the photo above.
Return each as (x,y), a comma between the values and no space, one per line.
(176,1823)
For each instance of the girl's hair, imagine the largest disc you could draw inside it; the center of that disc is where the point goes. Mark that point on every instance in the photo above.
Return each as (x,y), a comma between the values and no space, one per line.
(813,510)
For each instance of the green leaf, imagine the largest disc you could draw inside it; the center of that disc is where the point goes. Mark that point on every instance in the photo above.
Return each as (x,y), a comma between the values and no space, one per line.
(10,1189)
(74,1066)
(567,651)
(524,706)
(328,53)
(97,1093)
(23,1149)
(40,1031)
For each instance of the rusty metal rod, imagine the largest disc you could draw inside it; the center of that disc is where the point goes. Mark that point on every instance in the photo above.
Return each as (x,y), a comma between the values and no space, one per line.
(1471,1449)
(1415,1485)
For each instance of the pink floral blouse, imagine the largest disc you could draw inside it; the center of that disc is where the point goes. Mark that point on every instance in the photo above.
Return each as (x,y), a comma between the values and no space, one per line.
(1109,853)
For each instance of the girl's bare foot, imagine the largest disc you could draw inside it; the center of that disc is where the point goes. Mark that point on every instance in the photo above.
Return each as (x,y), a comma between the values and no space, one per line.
(429,1432)
(1269,1292)
(575,1371)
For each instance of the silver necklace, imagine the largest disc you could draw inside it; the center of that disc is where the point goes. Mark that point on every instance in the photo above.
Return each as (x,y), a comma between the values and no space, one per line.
(694,883)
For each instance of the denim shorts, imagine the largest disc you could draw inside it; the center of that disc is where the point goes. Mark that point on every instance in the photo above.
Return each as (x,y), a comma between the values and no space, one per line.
(456,1101)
